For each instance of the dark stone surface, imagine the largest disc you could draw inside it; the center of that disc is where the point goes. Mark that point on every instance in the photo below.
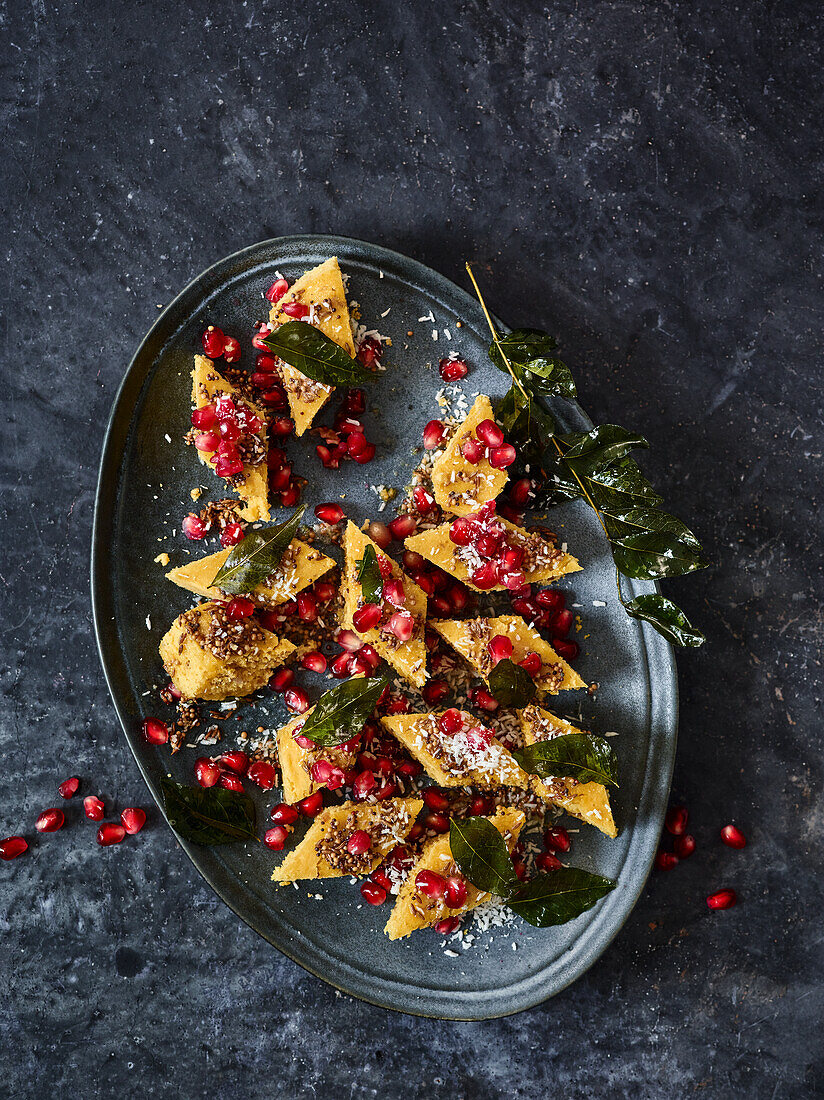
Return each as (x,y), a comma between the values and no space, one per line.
(644,181)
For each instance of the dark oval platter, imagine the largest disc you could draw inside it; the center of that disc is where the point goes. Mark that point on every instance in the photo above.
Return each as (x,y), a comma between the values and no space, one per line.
(143,493)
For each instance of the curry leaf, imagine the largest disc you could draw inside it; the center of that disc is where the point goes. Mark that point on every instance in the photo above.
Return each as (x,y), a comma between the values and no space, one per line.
(310,351)
(581,756)
(511,685)
(343,711)
(482,855)
(558,896)
(668,619)
(529,352)
(257,556)
(369,576)
(208,815)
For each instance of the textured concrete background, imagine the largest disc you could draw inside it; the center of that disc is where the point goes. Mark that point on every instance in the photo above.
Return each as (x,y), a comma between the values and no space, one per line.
(643,180)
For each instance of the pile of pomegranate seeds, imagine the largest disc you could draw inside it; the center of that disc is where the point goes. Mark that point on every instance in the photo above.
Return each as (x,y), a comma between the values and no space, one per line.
(220,429)
(446,596)
(488,443)
(347,438)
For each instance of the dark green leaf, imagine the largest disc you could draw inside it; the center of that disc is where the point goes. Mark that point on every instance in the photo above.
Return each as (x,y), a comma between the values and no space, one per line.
(342,712)
(558,896)
(511,685)
(208,815)
(257,556)
(616,488)
(482,855)
(369,576)
(602,446)
(581,756)
(669,620)
(529,353)
(529,428)
(310,351)
(659,546)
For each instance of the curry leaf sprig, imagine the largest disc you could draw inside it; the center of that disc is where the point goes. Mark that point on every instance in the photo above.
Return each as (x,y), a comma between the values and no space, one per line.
(552,898)
(594,466)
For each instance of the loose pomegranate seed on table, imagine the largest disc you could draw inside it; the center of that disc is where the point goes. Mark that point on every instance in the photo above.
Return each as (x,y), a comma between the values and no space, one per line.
(373,892)
(193,527)
(684,846)
(231,349)
(283,814)
(276,837)
(733,837)
(282,679)
(434,691)
(213,342)
(277,290)
(314,661)
(155,731)
(110,833)
(133,819)
(329,513)
(12,847)
(93,807)
(567,650)
(723,899)
(676,820)
(297,701)
(49,821)
(665,861)
(68,788)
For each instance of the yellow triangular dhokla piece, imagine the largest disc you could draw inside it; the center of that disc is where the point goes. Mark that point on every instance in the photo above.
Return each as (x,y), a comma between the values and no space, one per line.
(414,909)
(587,801)
(471,638)
(542,562)
(408,658)
(459,485)
(208,656)
(253,483)
(457,755)
(300,566)
(323,852)
(322,290)
(296,762)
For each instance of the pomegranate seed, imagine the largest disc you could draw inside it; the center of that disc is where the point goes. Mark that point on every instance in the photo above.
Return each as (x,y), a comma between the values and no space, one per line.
(366,617)
(329,513)
(206,441)
(368,654)
(455,893)
(461,532)
(550,598)
(279,479)
(676,820)
(314,661)
(382,879)
(519,867)
(430,883)
(434,691)
(366,455)
(110,833)
(452,370)
(380,534)
(207,772)
(341,665)
(231,349)
(324,591)
(568,651)
(501,457)
(281,426)
(349,640)
(520,492)
(49,821)
(193,527)
(359,842)
(485,701)
(485,576)
(276,838)
(409,768)
(458,597)
(297,701)
(373,892)
(236,761)
(283,814)
(204,417)
(228,465)
(93,807)
(231,535)
(435,799)
(155,731)
(472,450)
(356,442)
(277,290)
(133,819)
(548,861)
(557,839)
(290,496)
(263,774)
(437,822)
(433,435)
(684,845)
(724,899)
(239,608)
(307,607)
(282,679)
(321,771)
(424,501)
(402,625)
(447,926)
(402,527)
(479,806)
(393,592)
(490,433)
(733,837)
(231,782)
(387,790)
(68,788)
(665,861)
(441,605)
(363,784)
(499,648)
(213,342)
(450,721)
(562,623)
(266,363)
(259,339)
(12,847)
(369,351)
(297,310)
(311,805)
(532,663)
